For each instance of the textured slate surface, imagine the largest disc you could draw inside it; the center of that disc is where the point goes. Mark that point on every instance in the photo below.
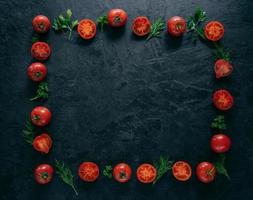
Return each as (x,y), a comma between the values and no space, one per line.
(118,98)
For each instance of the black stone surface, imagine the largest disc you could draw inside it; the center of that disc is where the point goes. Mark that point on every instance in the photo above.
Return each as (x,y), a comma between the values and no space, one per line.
(118,98)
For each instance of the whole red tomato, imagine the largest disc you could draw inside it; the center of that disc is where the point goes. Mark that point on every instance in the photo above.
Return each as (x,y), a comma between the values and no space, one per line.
(122,172)
(223,100)
(141,26)
(88,171)
(117,17)
(87,29)
(222,68)
(40,116)
(42,143)
(176,26)
(43,173)
(220,143)
(41,24)
(214,31)
(206,172)
(146,173)
(40,51)
(37,71)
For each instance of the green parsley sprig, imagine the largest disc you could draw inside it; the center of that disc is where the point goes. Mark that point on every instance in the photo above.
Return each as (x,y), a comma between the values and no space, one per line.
(28,132)
(219,123)
(107,172)
(220,166)
(156,28)
(64,22)
(162,167)
(221,53)
(42,91)
(101,21)
(65,174)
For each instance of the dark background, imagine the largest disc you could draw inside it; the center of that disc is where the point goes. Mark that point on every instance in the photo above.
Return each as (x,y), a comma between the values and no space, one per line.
(118,98)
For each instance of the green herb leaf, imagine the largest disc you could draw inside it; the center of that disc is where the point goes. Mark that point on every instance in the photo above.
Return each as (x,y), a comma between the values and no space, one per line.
(219,123)
(101,21)
(65,174)
(220,166)
(42,91)
(162,167)
(156,28)
(221,53)
(28,132)
(107,172)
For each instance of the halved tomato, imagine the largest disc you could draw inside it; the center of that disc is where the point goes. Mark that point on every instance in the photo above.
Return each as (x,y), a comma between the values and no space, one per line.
(223,100)
(182,171)
(87,29)
(40,51)
(214,31)
(222,68)
(88,171)
(146,173)
(141,26)
(42,143)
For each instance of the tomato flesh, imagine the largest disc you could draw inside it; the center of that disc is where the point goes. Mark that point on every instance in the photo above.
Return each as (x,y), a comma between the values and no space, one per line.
(42,143)
(223,100)
(40,51)
(146,173)
(182,171)
(88,171)
(222,68)
(141,26)
(87,29)
(214,31)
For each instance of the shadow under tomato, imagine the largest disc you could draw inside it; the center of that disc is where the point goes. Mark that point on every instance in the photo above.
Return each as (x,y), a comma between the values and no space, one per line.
(173,42)
(114,33)
(135,37)
(82,41)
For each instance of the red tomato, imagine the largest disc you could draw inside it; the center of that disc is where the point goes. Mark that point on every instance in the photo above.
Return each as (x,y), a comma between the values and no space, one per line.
(122,172)
(43,173)
(206,172)
(176,26)
(214,31)
(41,24)
(87,29)
(146,173)
(117,17)
(88,171)
(220,143)
(223,100)
(37,71)
(40,51)
(182,171)
(141,26)
(40,116)
(42,143)
(222,68)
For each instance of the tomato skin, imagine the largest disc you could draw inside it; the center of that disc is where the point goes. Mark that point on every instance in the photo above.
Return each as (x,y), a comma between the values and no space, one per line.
(181,170)
(87,29)
(146,173)
(220,143)
(223,100)
(41,24)
(141,26)
(222,68)
(122,172)
(176,26)
(117,17)
(214,31)
(43,173)
(42,143)
(206,172)
(37,71)
(88,171)
(40,51)
(40,116)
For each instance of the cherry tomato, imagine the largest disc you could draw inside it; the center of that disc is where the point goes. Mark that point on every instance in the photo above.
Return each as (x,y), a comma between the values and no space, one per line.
(182,171)
(122,172)
(214,31)
(176,26)
(223,100)
(88,171)
(206,172)
(43,173)
(42,143)
(141,26)
(146,173)
(40,51)
(87,29)
(37,71)
(220,143)
(117,17)
(40,116)
(41,24)
(222,68)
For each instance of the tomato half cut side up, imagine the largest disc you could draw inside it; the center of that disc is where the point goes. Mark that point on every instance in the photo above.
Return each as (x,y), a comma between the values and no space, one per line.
(87,29)
(141,26)
(182,171)
(222,68)
(223,100)
(214,31)
(40,51)
(88,171)
(146,173)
